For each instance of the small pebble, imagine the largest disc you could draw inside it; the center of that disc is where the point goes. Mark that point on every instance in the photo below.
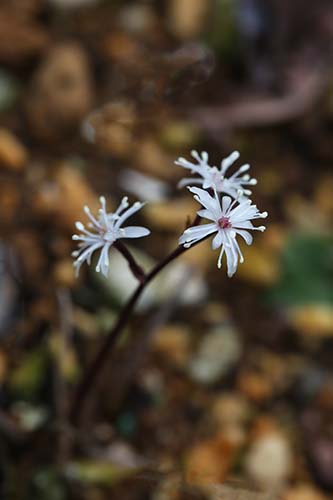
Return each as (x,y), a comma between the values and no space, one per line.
(219,351)
(13,155)
(269,461)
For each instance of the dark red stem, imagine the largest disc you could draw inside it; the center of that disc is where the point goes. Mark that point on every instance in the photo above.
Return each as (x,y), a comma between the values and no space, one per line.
(137,270)
(98,363)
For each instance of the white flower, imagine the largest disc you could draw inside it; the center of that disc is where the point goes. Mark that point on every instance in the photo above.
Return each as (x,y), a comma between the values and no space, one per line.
(215,178)
(105,230)
(231,218)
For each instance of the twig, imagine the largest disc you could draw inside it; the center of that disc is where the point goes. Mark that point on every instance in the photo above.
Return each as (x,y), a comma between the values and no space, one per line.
(303,92)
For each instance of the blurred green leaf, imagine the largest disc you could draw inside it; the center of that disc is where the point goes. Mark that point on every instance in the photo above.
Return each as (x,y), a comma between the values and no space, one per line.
(223,35)
(47,483)
(126,424)
(9,90)
(28,377)
(98,472)
(306,271)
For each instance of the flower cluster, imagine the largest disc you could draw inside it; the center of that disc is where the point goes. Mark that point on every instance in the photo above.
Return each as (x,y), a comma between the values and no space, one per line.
(105,230)
(229,217)
(225,204)
(215,178)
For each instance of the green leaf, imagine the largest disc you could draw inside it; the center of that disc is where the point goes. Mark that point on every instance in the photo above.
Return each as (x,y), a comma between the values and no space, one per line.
(28,377)
(47,483)
(306,271)
(98,472)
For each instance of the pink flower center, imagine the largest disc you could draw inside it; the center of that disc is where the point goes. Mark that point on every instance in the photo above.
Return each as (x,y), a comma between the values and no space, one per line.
(224,223)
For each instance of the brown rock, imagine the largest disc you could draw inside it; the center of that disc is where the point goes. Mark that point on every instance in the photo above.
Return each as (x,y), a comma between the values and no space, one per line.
(64,274)
(111,128)
(63,198)
(230,409)
(303,492)
(122,48)
(200,257)
(314,321)
(9,201)
(20,38)
(269,461)
(61,93)
(23,9)
(261,265)
(186,18)
(32,258)
(255,386)
(171,215)
(173,341)
(210,461)
(324,196)
(13,155)
(152,160)
(215,312)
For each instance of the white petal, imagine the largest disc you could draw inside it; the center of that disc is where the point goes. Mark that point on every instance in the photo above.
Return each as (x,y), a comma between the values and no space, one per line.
(206,214)
(207,201)
(219,261)
(241,212)
(103,261)
(227,162)
(202,230)
(86,254)
(196,233)
(217,241)
(188,181)
(182,162)
(130,211)
(246,224)
(248,238)
(226,202)
(231,267)
(134,232)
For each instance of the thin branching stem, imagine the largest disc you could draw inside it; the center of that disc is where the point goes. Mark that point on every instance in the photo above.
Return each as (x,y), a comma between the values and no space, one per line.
(137,270)
(96,368)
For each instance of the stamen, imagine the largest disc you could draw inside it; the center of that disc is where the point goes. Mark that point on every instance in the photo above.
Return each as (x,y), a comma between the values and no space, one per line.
(79,226)
(224,223)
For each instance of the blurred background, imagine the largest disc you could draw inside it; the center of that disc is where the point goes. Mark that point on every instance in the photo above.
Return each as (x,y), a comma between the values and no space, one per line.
(220,388)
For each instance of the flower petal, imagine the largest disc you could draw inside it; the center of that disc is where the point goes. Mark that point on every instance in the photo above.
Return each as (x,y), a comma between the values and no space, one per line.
(206,214)
(207,201)
(134,232)
(217,240)
(130,211)
(187,181)
(196,233)
(226,202)
(248,238)
(227,162)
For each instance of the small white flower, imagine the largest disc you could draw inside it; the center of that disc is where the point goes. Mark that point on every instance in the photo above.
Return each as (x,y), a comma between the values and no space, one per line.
(105,230)
(215,178)
(229,219)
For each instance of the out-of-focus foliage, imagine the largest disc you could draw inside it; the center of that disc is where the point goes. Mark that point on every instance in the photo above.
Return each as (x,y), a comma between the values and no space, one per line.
(306,271)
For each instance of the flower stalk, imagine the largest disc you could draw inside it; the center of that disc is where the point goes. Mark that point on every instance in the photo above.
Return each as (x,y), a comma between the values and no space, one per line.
(137,270)
(96,368)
